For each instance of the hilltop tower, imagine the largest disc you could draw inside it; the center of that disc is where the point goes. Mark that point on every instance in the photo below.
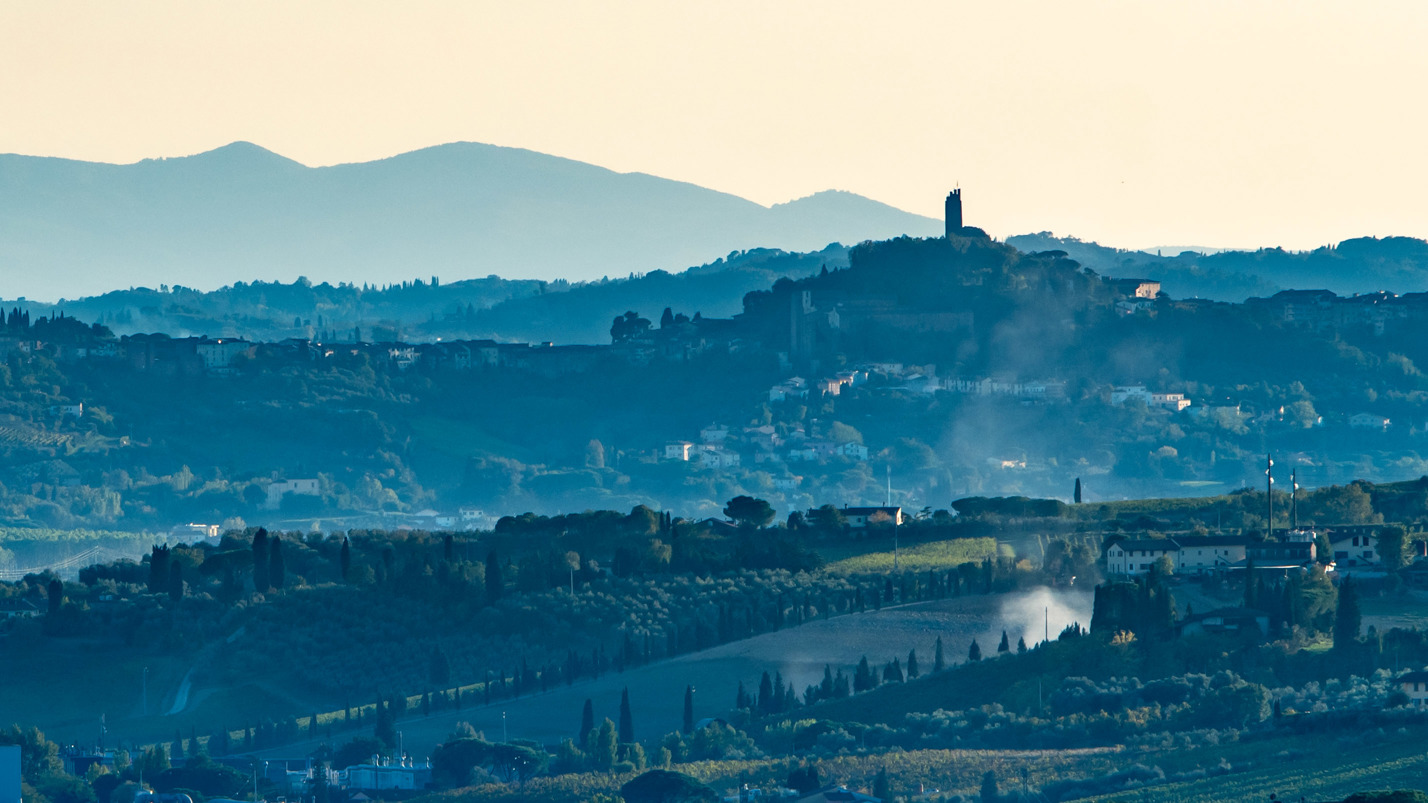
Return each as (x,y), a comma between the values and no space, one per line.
(954,212)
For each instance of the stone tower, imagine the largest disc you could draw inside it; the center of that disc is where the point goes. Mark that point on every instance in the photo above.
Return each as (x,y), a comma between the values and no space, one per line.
(954,212)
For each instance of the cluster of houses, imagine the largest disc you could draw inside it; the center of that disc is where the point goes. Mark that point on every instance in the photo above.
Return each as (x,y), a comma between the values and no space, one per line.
(293,778)
(1174,402)
(1354,547)
(193,356)
(720,448)
(1322,310)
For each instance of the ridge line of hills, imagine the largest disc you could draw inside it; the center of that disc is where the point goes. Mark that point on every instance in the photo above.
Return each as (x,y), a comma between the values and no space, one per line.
(240,212)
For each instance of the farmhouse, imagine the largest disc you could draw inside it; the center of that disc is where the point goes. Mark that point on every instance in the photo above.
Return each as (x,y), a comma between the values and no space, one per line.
(1415,685)
(859,518)
(1353,548)
(1136,557)
(277,490)
(1199,554)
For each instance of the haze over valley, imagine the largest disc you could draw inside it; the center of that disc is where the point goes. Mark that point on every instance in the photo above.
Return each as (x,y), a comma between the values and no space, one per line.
(713,403)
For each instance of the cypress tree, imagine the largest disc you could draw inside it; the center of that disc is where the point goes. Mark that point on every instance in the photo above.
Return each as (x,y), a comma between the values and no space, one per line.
(176,582)
(938,664)
(448,548)
(1076,495)
(56,595)
(688,709)
(863,677)
(158,570)
(385,729)
(989,788)
(627,723)
(1020,645)
(494,584)
(1005,646)
(880,785)
(260,561)
(912,671)
(975,652)
(346,559)
(277,572)
(1347,617)
(766,694)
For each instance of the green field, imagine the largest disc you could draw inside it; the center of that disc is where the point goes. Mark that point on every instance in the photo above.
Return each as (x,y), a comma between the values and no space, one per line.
(936,555)
(1407,610)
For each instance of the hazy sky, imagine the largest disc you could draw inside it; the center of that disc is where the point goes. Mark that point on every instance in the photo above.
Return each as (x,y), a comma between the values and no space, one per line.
(1134,123)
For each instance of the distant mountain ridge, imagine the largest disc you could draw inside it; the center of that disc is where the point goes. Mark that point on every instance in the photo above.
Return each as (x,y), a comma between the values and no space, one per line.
(240,212)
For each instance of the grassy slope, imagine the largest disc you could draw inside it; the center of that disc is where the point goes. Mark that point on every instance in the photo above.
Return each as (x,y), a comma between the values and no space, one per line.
(656,690)
(938,555)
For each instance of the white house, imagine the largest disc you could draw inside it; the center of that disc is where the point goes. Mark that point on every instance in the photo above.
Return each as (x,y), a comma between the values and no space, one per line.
(1200,554)
(1415,685)
(277,490)
(195,531)
(859,518)
(677,450)
(68,410)
(1354,550)
(853,451)
(218,354)
(1136,557)
(1174,402)
(1368,421)
(714,433)
(718,457)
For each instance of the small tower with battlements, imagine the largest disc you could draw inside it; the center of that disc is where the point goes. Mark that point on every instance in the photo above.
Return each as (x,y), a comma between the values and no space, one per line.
(954,212)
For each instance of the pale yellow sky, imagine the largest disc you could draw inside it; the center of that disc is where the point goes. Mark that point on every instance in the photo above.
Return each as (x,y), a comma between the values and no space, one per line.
(1134,123)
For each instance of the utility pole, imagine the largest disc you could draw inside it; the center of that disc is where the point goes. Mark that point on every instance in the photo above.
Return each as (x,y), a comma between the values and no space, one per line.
(1269,495)
(1294,498)
(887,502)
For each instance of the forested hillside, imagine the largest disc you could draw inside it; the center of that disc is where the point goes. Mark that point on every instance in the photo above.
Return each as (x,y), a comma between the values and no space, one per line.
(426,309)
(1360,265)
(949,368)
